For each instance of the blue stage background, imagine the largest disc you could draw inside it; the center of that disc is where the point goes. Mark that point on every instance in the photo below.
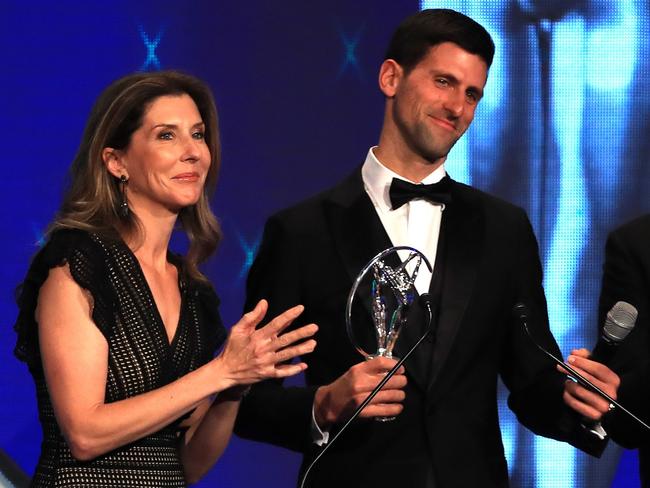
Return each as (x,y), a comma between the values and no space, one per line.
(562,131)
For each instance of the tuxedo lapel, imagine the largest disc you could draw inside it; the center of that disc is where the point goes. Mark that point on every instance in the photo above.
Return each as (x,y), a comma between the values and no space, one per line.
(354,224)
(464,233)
(357,236)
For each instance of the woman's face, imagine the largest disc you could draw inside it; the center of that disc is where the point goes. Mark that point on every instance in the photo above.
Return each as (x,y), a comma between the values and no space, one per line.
(167,160)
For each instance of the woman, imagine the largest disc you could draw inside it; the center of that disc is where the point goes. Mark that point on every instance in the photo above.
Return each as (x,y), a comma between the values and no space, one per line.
(119,333)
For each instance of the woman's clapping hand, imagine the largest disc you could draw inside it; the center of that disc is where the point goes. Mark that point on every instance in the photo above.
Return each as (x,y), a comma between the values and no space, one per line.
(251,355)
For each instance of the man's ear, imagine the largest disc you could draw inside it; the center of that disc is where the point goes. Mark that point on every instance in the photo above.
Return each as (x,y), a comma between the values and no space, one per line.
(390,75)
(113,160)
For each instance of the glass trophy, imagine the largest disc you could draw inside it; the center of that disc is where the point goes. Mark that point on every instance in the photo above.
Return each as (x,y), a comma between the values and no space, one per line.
(385,288)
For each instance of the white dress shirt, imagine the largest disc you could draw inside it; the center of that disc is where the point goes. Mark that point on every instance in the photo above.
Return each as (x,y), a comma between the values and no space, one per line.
(415,224)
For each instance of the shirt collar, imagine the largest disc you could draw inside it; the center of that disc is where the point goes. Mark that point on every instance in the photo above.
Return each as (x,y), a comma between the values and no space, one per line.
(377,179)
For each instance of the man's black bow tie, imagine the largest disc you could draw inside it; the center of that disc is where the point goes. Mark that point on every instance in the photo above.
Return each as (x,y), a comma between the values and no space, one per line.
(402,192)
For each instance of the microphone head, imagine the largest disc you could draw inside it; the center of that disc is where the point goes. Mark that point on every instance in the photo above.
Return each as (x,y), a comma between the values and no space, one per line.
(520,311)
(426,300)
(619,322)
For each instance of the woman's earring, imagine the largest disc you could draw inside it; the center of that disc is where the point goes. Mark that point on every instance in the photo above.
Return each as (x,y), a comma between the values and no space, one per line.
(124,205)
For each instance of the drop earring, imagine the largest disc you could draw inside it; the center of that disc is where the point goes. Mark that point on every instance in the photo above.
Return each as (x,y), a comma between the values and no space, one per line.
(124,205)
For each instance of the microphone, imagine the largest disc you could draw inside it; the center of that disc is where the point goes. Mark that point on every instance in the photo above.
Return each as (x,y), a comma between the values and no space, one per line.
(426,301)
(619,322)
(521,313)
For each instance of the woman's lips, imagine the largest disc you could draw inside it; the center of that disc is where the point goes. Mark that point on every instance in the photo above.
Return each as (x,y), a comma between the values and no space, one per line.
(186,177)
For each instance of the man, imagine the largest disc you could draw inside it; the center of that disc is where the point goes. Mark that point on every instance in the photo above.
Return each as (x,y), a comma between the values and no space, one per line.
(446,430)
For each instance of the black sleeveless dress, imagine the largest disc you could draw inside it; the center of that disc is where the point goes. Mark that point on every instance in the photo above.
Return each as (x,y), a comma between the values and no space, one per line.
(140,357)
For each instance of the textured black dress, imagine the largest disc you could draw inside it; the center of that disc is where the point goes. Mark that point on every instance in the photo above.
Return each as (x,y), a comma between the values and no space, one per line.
(140,357)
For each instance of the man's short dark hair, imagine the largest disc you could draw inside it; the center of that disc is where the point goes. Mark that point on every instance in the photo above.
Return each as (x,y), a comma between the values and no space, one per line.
(419,32)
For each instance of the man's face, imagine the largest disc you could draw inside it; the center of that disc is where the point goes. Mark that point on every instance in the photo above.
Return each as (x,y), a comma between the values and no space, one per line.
(434,104)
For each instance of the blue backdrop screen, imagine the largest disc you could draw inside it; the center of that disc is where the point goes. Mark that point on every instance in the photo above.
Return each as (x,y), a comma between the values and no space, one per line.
(561,132)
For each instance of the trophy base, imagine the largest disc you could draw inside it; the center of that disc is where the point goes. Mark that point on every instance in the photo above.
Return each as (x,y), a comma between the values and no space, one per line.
(373,356)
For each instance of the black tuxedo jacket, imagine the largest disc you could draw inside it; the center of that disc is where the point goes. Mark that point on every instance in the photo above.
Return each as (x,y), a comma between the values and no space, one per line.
(448,430)
(626,278)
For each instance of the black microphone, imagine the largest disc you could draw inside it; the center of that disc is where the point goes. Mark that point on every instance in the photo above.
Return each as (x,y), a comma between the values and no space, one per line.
(521,313)
(426,301)
(619,322)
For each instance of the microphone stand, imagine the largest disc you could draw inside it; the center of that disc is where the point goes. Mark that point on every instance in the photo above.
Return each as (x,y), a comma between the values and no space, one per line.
(575,376)
(425,300)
